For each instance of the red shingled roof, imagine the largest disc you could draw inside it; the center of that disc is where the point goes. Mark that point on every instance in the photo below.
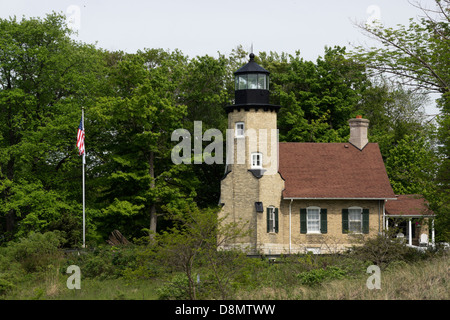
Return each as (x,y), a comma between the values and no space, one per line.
(333,171)
(408,205)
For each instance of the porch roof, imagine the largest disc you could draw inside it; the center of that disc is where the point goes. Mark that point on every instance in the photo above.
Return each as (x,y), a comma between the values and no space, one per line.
(412,205)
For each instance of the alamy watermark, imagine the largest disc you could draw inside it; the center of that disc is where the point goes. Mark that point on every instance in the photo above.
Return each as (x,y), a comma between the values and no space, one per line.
(73,17)
(375,15)
(374,281)
(74,281)
(263,142)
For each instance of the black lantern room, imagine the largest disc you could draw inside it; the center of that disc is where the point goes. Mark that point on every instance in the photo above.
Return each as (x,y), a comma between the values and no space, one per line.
(251,87)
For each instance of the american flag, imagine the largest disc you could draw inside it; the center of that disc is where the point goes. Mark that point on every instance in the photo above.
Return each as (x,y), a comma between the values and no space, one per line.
(80,138)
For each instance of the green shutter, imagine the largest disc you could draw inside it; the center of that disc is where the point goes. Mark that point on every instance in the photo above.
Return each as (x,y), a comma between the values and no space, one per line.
(344,220)
(323,220)
(302,220)
(276,220)
(365,221)
(268,219)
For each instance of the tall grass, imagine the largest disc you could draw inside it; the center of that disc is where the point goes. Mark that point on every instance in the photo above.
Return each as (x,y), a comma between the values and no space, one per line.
(423,280)
(34,268)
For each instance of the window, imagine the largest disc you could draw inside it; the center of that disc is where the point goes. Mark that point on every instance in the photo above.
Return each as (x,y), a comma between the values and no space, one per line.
(256,160)
(272,219)
(242,82)
(252,81)
(313,219)
(240,129)
(355,219)
(261,81)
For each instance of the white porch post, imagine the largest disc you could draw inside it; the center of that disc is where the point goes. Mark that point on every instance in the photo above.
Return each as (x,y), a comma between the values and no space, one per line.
(432,232)
(410,232)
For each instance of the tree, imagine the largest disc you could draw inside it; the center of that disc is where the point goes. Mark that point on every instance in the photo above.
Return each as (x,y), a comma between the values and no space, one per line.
(133,139)
(317,98)
(45,78)
(418,56)
(193,244)
(205,91)
(394,113)
(410,167)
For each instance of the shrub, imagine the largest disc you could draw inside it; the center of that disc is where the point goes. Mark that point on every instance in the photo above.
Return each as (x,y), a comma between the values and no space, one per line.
(176,289)
(317,276)
(382,250)
(5,285)
(36,251)
(143,265)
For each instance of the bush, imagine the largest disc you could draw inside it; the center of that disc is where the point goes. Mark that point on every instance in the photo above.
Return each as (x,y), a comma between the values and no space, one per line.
(37,251)
(176,289)
(143,266)
(382,250)
(317,276)
(5,285)
(111,262)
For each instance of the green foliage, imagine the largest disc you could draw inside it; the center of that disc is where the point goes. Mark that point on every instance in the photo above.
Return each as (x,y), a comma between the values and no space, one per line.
(411,167)
(383,250)
(107,262)
(133,102)
(317,98)
(317,276)
(37,251)
(176,289)
(5,286)
(418,55)
(44,79)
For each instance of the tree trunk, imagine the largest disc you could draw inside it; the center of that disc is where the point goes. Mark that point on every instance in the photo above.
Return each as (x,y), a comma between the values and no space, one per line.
(153,219)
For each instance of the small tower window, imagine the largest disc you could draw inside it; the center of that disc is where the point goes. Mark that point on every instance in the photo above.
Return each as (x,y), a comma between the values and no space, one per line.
(272,219)
(256,160)
(240,129)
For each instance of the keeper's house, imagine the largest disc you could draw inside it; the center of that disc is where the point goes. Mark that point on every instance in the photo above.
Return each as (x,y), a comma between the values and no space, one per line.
(298,197)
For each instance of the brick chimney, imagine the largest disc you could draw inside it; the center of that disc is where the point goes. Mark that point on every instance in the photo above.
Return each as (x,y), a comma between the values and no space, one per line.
(358,132)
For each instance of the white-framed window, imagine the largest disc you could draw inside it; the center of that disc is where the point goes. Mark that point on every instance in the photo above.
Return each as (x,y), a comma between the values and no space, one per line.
(355,219)
(240,130)
(313,219)
(271,223)
(256,159)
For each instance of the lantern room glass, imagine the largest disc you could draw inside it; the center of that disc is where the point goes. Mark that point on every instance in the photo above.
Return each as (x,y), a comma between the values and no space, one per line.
(252,81)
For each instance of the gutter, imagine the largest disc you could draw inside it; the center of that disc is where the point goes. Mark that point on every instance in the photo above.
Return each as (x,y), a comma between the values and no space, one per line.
(296,198)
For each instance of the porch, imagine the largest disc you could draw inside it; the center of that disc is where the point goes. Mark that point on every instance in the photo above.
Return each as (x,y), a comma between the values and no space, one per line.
(410,219)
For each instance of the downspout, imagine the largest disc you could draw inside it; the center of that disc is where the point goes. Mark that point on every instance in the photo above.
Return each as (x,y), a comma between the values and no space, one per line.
(290,212)
(379,215)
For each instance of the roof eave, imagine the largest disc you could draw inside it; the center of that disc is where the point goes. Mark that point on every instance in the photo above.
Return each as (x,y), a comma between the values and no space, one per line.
(326,198)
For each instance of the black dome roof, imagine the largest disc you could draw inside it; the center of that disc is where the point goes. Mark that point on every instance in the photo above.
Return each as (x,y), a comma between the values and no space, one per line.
(251,67)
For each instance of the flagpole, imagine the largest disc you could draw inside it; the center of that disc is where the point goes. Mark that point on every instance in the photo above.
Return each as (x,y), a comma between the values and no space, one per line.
(84,198)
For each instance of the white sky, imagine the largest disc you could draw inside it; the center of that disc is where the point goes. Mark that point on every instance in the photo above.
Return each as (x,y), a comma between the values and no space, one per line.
(200,27)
